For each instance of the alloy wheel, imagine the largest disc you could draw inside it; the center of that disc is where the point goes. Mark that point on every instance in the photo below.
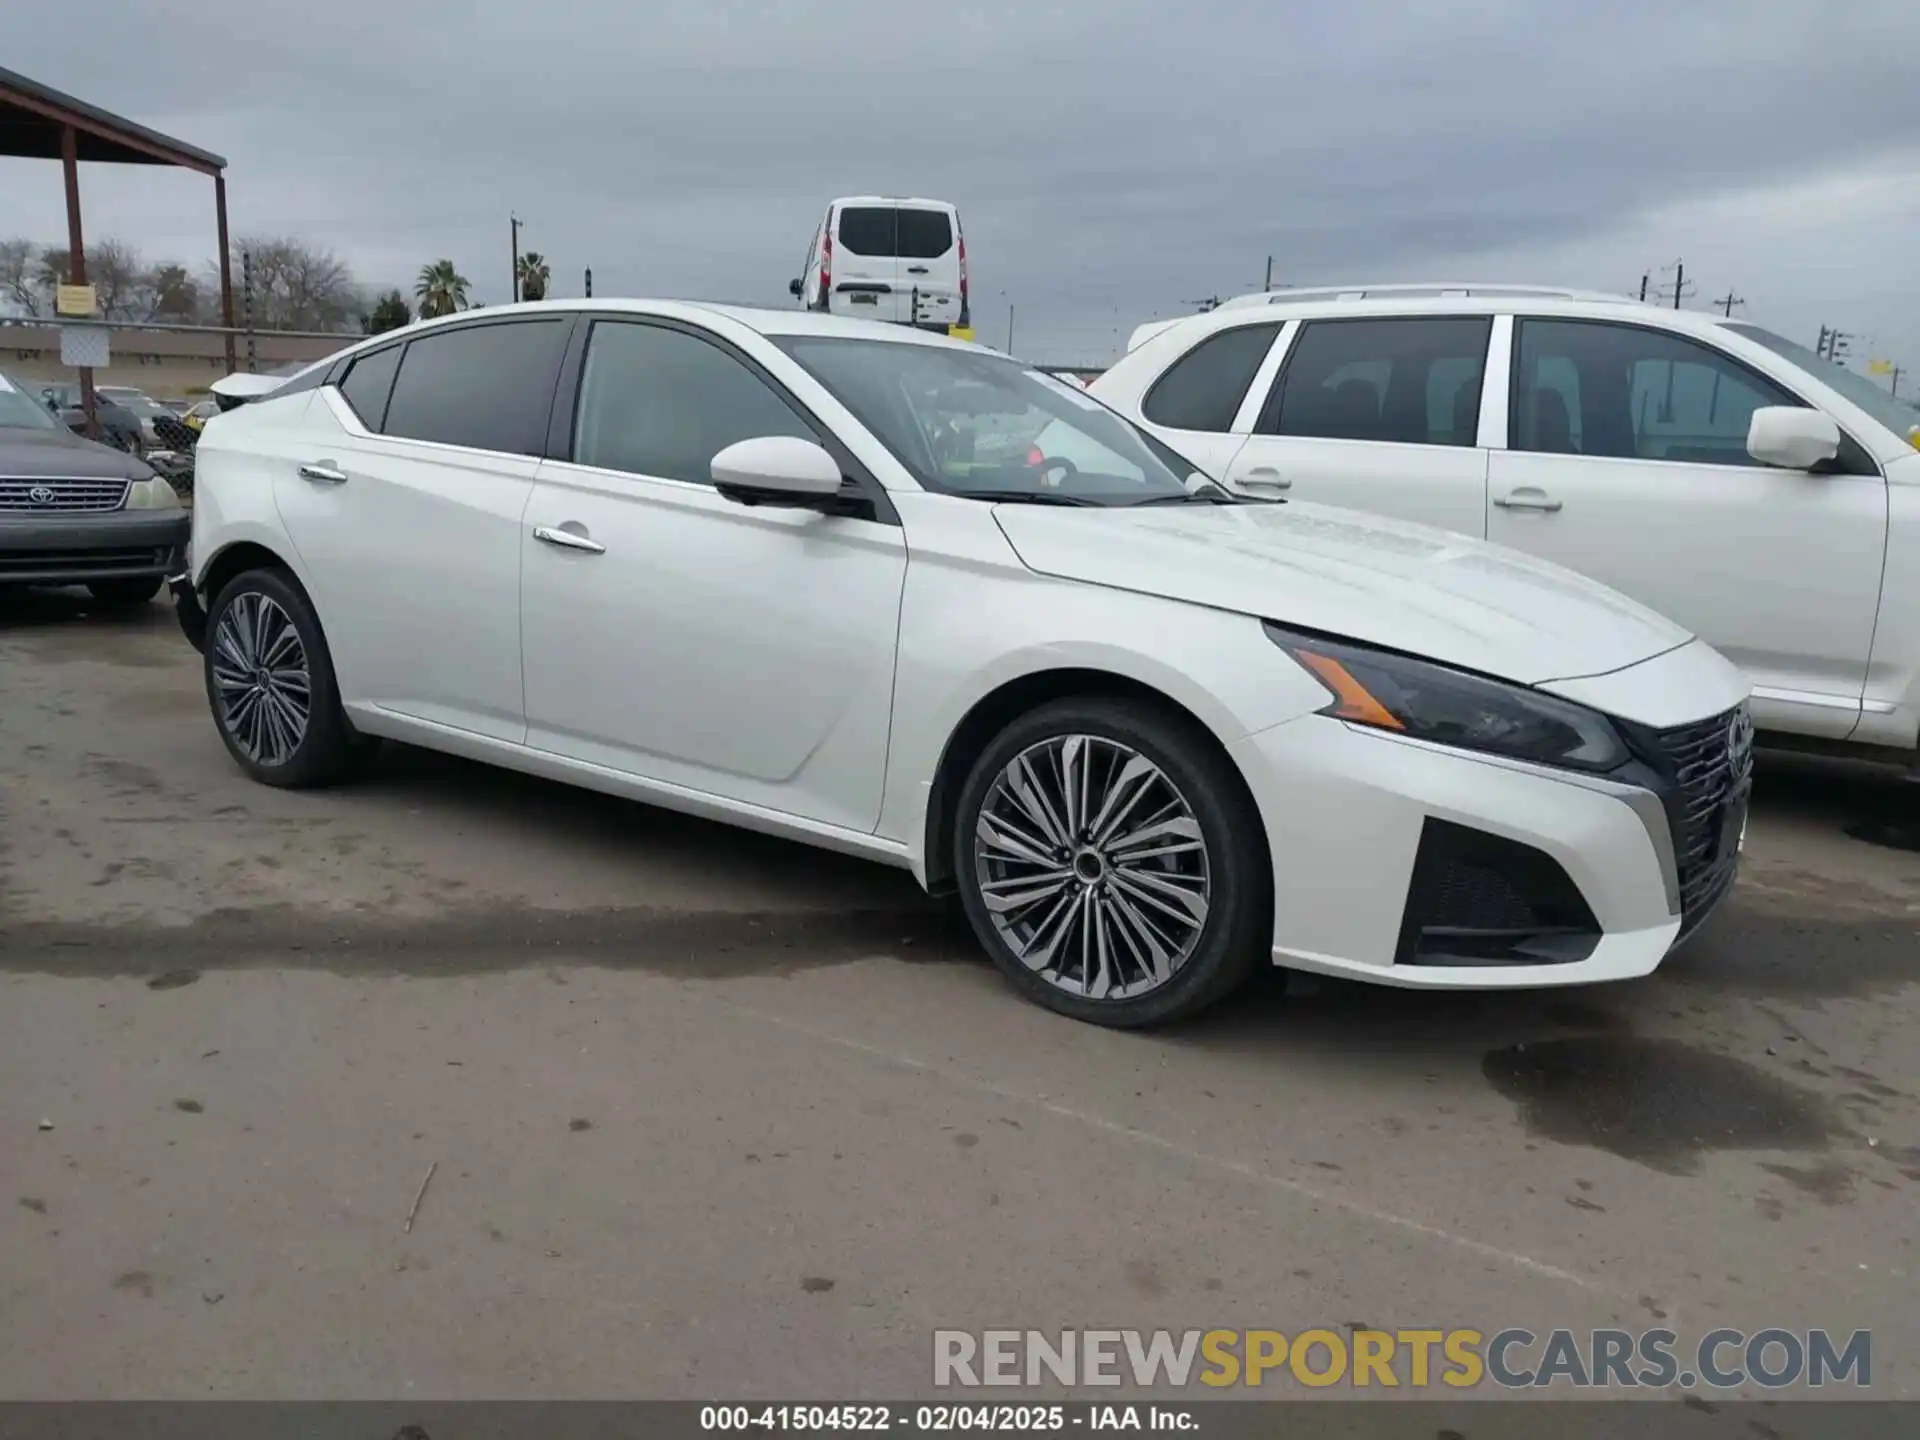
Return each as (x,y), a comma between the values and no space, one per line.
(262,684)
(1093,867)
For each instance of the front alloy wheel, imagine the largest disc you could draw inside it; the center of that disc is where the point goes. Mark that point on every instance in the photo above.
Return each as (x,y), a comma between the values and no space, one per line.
(1092,866)
(1112,862)
(262,686)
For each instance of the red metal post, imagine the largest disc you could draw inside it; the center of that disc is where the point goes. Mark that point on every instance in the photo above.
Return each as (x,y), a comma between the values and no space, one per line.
(77,257)
(226,268)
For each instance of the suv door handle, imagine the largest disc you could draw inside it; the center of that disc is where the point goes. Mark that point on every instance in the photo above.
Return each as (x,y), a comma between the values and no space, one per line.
(568,540)
(1527,497)
(323,472)
(1263,477)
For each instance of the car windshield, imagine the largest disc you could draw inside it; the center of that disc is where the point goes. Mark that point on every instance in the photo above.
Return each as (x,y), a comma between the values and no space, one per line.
(1896,415)
(135,401)
(21,411)
(969,423)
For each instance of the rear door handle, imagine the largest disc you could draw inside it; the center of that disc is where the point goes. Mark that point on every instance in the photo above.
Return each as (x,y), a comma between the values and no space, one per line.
(568,540)
(916,269)
(323,472)
(1527,497)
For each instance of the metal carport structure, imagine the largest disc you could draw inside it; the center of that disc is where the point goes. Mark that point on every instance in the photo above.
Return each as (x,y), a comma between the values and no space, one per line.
(38,122)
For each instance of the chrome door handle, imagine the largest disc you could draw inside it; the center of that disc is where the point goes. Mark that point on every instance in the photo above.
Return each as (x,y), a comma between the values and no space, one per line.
(323,471)
(568,540)
(1527,499)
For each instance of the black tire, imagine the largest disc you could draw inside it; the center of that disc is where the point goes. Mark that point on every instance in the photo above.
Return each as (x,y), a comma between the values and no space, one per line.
(329,749)
(1237,932)
(125,592)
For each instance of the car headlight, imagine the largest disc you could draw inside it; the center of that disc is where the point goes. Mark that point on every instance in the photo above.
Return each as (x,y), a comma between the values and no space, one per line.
(1427,701)
(154,494)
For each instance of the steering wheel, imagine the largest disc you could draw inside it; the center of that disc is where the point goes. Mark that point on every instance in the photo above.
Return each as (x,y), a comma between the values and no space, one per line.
(1050,463)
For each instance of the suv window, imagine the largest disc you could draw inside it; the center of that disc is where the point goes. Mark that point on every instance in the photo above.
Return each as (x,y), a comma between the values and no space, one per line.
(489,387)
(1583,387)
(1204,387)
(868,230)
(922,234)
(1414,381)
(657,401)
(367,383)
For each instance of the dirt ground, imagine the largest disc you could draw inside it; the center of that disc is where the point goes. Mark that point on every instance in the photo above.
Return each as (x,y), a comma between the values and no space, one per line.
(710,1115)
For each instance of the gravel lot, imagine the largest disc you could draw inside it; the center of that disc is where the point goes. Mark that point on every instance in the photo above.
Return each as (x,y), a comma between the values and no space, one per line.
(711,1115)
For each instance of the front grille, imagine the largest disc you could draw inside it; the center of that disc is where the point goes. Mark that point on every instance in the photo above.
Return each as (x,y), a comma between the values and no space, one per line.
(1710,787)
(44,564)
(61,496)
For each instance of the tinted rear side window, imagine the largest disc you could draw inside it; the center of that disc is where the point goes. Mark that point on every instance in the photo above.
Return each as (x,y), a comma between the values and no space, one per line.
(485,386)
(1415,382)
(1204,388)
(868,230)
(368,381)
(923,234)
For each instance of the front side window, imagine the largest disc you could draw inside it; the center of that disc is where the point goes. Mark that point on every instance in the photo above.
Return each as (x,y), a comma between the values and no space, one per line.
(1203,389)
(1894,413)
(19,411)
(964,422)
(660,402)
(1584,387)
(487,387)
(1411,381)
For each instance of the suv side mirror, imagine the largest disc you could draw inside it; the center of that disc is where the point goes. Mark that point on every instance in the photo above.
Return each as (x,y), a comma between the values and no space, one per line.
(1791,437)
(793,288)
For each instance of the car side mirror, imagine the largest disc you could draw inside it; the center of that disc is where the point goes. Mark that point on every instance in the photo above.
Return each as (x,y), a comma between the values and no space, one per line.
(776,470)
(793,288)
(1792,437)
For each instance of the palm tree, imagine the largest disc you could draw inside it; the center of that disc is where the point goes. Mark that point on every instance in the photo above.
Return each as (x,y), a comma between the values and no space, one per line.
(441,289)
(534,274)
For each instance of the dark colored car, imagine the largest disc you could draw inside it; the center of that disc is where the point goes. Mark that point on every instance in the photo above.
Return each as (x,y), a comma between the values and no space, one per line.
(120,427)
(73,512)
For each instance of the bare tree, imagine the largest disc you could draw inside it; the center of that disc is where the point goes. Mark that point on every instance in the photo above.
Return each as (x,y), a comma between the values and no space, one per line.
(19,283)
(119,280)
(296,286)
(172,295)
(51,267)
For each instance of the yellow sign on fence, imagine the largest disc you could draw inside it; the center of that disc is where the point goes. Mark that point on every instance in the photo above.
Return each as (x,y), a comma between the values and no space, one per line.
(73,300)
(1879,367)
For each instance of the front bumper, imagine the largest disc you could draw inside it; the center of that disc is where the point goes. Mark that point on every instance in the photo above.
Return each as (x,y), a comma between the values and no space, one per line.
(1403,863)
(53,549)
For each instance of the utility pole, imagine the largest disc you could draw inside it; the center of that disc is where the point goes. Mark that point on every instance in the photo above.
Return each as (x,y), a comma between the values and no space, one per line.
(589,282)
(1838,346)
(1269,284)
(1893,381)
(1009,327)
(1727,301)
(513,222)
(1679,288)
(1644,278)
(1821,348)
(246,311)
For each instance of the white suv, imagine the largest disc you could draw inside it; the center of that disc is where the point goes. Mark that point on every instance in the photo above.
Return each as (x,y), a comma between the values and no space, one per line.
(1764,497)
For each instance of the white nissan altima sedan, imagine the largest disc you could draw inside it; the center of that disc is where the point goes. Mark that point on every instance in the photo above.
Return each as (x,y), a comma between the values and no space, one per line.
(910,599)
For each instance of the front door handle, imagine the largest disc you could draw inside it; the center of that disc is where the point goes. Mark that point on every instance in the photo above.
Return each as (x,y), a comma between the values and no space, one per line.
(323,472)
(568,539)
(1263,477)
(1527,497)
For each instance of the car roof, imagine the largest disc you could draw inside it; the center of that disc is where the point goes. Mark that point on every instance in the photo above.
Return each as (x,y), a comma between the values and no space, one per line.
(762,319)
(919,201)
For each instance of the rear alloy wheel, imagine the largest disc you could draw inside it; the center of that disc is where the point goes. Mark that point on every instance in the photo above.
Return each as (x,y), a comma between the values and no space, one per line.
(1108,859)
(270,683)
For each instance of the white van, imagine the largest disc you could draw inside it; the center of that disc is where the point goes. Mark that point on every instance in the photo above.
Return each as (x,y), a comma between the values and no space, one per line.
(880,257)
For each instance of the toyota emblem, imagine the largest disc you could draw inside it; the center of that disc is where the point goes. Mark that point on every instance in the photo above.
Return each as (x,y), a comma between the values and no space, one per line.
(1740,738)
(41,495)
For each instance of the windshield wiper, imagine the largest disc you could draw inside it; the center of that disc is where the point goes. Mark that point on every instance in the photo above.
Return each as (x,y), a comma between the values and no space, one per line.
(1028,497)
(1210,493)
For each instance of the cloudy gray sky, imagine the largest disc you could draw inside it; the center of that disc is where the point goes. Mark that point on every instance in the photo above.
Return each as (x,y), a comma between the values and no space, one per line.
(1111,159)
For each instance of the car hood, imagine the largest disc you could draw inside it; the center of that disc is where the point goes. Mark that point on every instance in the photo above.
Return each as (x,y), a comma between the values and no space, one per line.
(26,454)
(1340,572)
